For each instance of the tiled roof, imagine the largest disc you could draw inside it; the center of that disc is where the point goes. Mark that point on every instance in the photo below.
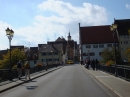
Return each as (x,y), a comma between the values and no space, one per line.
(33,51)
(19,47)
(33,48)
(96,34)
(122,26)
(50,47)
(64,43)
(60,39)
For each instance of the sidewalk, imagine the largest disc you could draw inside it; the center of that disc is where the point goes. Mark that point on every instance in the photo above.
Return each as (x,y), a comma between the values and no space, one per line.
(117,85)
(11,84)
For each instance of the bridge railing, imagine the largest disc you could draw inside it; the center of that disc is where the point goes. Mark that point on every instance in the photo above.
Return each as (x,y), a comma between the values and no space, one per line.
(4,73)
(123,71)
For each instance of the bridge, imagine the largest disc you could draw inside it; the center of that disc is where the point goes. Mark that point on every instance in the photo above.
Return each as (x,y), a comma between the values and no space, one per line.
(68,81)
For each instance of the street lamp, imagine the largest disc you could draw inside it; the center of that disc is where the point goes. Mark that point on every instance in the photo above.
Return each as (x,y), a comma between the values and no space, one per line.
(88,54)
(52,57)
(9,34)
(113,28)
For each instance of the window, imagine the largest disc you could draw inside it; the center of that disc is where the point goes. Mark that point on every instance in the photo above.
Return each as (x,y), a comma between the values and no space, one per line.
(126,37)
(88,46)
(109,45)
(49,53)
(91,54)
(50,59)
(117,45)
(43,54)
(57,59)
(101,45)
(125,42)
(35,62)
(85,54)
(100,53)
(55,53)
(121,42)
(95,46)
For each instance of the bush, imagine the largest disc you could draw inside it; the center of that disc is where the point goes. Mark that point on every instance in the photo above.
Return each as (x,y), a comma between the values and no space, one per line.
(110,62)
(39,65)
(15,66)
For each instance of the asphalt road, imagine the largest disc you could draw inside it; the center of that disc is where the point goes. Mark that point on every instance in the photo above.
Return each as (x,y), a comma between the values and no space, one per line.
(68,81)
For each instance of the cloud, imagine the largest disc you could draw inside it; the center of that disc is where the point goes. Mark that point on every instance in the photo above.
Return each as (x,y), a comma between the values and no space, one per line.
(127,6)
(56,19)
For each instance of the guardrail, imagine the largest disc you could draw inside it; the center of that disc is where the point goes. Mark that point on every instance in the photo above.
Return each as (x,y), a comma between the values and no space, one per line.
(4,73)
(123,71)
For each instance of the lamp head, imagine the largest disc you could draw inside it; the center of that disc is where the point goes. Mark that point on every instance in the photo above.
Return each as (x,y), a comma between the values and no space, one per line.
(111,28)
(12,33)
(7,31)
(114,26)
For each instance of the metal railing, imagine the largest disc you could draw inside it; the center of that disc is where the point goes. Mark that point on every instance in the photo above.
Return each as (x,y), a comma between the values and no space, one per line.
(123,71)
(4,73)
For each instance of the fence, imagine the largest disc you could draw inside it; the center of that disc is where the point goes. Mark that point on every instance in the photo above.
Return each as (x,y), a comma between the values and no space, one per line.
(123,71)
(4,73)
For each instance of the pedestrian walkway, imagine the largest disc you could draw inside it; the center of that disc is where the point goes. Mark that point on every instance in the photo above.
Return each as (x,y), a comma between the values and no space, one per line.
(11,84)
(119,86)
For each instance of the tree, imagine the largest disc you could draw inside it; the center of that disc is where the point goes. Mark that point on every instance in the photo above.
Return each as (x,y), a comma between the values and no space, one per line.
(127,53)
(109,54)
(16,55)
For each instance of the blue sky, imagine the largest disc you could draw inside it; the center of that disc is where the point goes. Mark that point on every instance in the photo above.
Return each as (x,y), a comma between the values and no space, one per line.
(39,21)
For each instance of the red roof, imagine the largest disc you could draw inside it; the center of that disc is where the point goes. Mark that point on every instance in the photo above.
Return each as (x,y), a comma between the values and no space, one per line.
(96,35)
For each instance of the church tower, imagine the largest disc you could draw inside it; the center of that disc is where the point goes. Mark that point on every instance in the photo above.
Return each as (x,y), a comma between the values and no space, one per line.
(69,37)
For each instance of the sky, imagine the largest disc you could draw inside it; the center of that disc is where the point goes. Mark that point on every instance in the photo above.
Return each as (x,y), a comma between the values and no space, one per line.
(38,21)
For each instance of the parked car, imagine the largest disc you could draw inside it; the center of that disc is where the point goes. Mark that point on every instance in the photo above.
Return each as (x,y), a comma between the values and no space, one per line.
(70,62)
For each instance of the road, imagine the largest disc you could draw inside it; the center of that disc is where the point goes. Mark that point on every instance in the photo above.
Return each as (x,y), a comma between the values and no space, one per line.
(68,81)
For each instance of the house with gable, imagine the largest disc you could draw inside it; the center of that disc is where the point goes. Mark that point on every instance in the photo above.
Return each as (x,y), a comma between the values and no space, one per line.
(51,53)
(32,55)
(69,48)
(93,40)
(123,25)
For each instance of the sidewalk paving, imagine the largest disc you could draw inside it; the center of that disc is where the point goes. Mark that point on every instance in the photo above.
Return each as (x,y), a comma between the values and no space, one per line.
(11,84)
(119,86)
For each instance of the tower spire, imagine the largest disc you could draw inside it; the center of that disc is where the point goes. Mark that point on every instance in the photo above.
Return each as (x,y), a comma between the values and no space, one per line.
(69,37)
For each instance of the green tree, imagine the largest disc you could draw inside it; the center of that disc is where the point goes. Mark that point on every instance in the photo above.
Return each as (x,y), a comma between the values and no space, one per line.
(109,54)
(16,55)
(127,53)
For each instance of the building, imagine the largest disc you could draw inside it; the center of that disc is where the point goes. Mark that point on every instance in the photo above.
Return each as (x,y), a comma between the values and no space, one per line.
(123,25)
(2,52)
(51,53)
(32,56)
(69,48)
(93,40)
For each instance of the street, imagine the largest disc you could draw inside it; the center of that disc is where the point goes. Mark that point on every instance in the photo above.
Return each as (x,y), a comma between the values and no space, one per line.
(68,81)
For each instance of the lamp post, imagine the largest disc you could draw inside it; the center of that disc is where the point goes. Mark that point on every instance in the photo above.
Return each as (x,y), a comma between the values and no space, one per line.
(113,28)
(28,57)
(52,57)
(88,54)
(9,34)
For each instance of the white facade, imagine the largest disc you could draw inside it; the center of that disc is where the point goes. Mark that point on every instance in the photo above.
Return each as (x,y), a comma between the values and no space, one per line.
(95,50)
